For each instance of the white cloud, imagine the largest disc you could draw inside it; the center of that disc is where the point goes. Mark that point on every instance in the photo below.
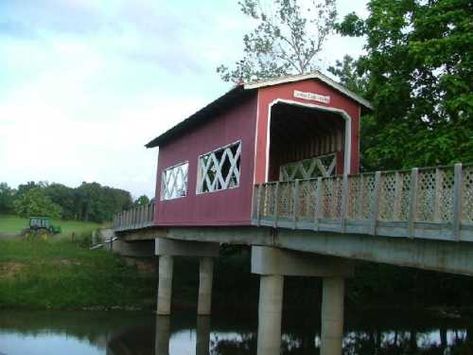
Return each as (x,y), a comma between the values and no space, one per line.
(85,84)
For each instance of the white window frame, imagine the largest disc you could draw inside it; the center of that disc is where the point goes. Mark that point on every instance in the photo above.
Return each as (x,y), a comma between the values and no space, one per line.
(224,181)
(165,189)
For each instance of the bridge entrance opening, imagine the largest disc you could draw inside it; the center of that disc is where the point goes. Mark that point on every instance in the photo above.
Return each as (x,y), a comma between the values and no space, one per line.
(305,142)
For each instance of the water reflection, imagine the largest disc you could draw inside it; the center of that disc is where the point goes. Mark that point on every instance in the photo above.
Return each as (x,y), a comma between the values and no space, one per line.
(120,333)
(163,334)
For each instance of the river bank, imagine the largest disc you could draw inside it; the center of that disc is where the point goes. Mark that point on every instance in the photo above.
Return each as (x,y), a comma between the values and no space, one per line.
(65,274)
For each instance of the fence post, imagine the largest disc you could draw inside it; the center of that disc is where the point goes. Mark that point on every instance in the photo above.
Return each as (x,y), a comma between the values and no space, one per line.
(318,204)
(258,204)
(361,198)
(295,203)
(438,194)
(276,205)
(142,215)
(397,197)
(457,200)
(412,203)
(376,200)
(344,207)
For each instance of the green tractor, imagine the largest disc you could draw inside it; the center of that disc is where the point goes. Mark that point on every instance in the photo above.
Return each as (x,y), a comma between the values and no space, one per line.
(40,227)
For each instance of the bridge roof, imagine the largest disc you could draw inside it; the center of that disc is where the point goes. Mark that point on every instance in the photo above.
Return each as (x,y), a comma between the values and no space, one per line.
(240,93)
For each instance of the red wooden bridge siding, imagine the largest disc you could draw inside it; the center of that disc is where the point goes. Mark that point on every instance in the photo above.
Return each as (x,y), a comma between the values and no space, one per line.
(246,121)
(226,207)
(286,92)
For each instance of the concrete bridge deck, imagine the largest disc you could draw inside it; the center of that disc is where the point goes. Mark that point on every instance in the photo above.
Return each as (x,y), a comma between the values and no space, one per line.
(421,218)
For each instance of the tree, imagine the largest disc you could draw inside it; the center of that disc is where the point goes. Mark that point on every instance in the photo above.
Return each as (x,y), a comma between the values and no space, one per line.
(7,195)
(286,40)
(349,75)
(63,196)
(143,200)
(35,202)
(99,203)
(419,64)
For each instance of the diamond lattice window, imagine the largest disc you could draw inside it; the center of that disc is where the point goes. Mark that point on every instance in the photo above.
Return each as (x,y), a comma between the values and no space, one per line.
(219,169)
(174,182)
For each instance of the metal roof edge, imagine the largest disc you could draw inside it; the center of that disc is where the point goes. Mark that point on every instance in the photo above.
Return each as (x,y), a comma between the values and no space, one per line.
(314,75)
(195,116)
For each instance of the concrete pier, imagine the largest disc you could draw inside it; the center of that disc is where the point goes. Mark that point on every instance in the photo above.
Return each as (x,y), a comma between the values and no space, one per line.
(272,264)
(203,335)
(332,315)
(165,285)
(163,333)
(204,304)
(166,249)
(269,314)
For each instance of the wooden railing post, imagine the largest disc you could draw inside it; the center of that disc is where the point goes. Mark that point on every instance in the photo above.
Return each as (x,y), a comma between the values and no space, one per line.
(276,205)
(258,204)
(318,204)
(457,200)
(438,194)
(295,203)
(376,200)
(397,196)
(412,203)
(344,206)
(361,198)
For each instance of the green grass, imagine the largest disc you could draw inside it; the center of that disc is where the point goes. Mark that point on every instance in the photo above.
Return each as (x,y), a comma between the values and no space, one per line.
(45,274)
(11,225)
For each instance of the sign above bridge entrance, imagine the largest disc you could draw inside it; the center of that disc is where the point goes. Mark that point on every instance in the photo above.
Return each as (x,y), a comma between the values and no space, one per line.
(311,96)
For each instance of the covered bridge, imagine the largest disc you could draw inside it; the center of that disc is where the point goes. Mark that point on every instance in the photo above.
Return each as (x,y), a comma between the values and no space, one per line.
(275,165)
(280,130)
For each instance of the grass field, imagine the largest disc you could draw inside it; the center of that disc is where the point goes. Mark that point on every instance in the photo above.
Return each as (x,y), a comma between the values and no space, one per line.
(59,273)
(11,225)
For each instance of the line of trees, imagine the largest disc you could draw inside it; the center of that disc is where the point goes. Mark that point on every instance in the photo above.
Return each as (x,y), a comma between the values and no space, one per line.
(87,202)
(417,70)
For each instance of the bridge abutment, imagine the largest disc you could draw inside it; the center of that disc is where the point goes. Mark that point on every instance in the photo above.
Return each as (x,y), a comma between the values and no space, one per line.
(272,264)
(166,249)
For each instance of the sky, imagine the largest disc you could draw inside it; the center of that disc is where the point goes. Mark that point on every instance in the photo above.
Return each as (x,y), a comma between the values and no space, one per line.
(84,84)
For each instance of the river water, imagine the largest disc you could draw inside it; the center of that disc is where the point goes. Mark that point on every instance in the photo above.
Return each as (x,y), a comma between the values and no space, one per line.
(119,333)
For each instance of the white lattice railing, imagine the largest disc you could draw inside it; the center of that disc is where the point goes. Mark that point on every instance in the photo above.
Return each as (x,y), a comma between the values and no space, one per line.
(423,203)
(134,218)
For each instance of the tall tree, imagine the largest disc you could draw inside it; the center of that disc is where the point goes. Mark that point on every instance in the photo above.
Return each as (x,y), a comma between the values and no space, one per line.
(98,203)
(7,195)
(419,61)
(286,40)
(35,202)
(63,196)
(143,200)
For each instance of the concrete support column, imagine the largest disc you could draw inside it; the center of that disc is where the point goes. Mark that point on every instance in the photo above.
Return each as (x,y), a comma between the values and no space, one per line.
(269,314)
(163,332)
(332,315)
(165,285)
(206,269)
(203,335)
